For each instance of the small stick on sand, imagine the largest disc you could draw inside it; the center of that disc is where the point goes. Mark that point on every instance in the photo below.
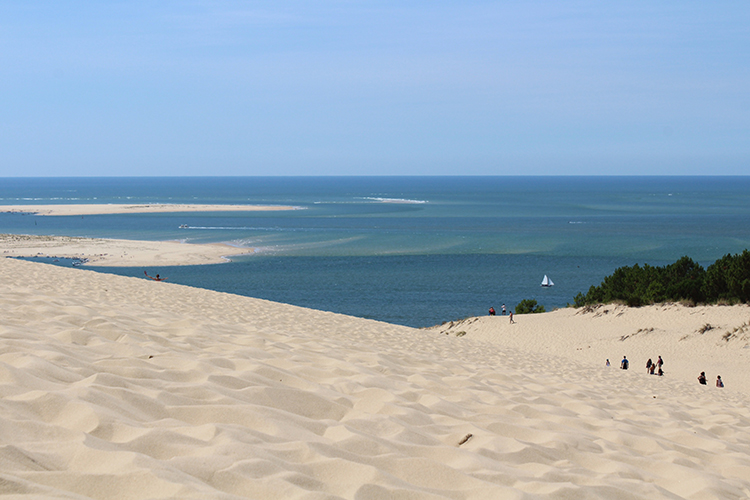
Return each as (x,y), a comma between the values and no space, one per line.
(466,438)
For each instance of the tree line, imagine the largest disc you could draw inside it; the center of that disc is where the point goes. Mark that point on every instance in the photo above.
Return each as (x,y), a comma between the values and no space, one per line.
(725,281)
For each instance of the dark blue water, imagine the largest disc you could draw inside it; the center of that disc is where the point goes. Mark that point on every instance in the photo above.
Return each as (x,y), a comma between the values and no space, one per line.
(411,250)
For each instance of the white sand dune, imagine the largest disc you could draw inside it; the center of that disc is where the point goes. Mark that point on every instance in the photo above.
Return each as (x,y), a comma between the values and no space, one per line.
(714,339)
(115,387)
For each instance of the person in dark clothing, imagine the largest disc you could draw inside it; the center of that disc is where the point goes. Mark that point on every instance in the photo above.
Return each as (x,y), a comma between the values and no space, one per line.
(155,278)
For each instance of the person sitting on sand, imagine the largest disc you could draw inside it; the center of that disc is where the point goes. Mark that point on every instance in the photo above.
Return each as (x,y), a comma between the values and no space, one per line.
(624,364)
(652,369)
(492,311)
(719,382)
(660,373)
(702,378)
(155,278)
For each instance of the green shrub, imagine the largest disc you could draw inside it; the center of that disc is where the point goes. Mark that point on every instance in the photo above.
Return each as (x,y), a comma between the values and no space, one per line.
(529,306)
(725,281)
(728,279)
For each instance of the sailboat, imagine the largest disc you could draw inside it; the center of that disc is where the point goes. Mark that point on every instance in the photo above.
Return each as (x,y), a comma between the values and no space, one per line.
(547,282)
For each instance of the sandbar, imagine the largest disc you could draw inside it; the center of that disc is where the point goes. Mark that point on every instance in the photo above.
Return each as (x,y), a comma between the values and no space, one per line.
(118,253)
(103,209)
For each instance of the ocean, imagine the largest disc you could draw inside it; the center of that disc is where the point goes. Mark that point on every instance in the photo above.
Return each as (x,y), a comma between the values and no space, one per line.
(414,251)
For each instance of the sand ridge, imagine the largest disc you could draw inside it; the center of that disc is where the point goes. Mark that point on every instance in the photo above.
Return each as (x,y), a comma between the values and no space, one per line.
(123,387)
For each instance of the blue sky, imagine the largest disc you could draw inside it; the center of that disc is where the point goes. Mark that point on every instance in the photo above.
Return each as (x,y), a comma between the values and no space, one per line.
(362,88)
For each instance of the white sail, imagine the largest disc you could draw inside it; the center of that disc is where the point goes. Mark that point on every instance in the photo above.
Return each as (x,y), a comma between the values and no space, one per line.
(546,281)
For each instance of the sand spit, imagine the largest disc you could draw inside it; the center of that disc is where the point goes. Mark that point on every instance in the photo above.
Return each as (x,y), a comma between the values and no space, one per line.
(101,209)
(115,387)
(118,253)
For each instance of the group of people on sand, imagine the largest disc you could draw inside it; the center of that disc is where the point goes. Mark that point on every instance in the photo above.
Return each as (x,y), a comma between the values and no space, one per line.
(654,368)
(651,367)
(493,313)
(702,380)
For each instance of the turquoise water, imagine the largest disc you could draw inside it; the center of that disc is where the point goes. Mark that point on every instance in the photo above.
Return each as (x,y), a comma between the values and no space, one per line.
(411,250)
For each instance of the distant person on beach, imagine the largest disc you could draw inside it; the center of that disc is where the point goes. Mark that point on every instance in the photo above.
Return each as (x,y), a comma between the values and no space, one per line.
(659,362)
(624,364)
(648,365)
(661,373)
(504,310)
(511,318)
(608,362)
(702,378)
(652,369)
(155,278)
(492,311)
(719,382)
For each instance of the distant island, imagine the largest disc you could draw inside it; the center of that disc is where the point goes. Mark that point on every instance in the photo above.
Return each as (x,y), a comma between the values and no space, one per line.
(725,281)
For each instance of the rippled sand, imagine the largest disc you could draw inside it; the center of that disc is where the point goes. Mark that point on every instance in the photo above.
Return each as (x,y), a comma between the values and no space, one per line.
(116,387)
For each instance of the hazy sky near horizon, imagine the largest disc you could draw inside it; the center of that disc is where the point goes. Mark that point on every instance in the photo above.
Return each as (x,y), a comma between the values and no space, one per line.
(361,88)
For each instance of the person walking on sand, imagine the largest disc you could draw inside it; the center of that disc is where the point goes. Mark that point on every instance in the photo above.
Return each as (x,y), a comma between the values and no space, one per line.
(511,318)
(659,362)
(155,278)
(719,382)
(648,365)
(702,378)
(503,309)
(607,361)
